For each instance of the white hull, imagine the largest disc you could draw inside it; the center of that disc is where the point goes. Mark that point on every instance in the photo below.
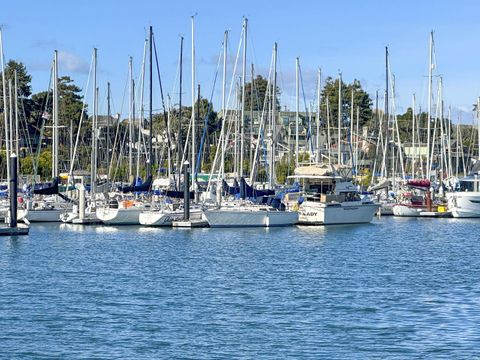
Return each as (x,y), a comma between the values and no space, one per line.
(166,217)
(42,215)
(74,218)
(354,212)
(407,211)
(386,209)
(464,204)
(250,218)
(121,216)
(67,217)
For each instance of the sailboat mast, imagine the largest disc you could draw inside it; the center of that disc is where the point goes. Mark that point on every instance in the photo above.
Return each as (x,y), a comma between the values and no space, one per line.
(449,139)
(242,114)
(297,107)
(319,84)
(150,108)
(478,125)
(134,116)
(108,128)
(194,133)
(414,152)
(352,108)
(93,174)
(55,117)
(329,140)
(339,131)
(17,138)
(274,115)
(356,140)
(10,122)
(180,142)
(252,83)
(224,110)
(130,121)
(387,116)
(429,114)
(142,110)
(169,163)
(5,114)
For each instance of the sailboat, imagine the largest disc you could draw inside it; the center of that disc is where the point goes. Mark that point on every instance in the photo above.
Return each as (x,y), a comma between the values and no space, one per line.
(244,212)
(165,212)
(126,209)
(47,205)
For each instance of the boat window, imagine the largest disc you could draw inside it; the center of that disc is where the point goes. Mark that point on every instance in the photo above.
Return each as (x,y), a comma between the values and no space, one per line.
(321,188)
(466,186)
(352,196)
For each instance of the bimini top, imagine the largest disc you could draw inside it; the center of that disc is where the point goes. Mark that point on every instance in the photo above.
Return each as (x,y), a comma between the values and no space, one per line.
(321,171)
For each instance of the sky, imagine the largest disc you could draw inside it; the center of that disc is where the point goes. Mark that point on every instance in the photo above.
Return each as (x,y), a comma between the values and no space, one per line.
(337,36)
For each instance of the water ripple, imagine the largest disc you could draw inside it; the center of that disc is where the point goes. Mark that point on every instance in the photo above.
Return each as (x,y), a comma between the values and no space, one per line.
(396,288)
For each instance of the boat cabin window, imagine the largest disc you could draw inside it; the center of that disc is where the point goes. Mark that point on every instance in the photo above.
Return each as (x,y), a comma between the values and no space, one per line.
(467,185)
(320,188)
(352,196)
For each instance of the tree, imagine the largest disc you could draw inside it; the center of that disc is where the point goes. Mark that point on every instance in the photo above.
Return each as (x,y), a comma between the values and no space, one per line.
(260,86)
(23,78)
(360,99)
(70,104)
(23,85)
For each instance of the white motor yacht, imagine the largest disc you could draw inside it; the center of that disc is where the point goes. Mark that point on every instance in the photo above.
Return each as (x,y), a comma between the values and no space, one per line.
(328,199)
(465,203)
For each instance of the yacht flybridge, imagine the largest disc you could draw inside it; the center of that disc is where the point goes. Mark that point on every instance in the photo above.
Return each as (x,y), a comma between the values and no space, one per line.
(328,198)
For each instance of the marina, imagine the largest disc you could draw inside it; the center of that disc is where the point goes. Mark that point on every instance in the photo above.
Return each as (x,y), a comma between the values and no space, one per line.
(260,169)
(200,181)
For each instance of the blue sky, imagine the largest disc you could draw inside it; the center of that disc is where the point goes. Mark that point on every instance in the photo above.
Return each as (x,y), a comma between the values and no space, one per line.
(349,36)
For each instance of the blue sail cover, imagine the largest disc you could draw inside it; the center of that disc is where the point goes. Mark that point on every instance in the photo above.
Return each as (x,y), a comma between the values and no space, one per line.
(50,188)
(231,190)
(244,190)
(173,194)
(138,186)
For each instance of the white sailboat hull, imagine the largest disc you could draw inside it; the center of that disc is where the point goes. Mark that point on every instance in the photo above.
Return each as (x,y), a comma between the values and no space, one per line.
(407,211)
(166,217)
(250,218)
(121,216)
(43,215)
(355,212)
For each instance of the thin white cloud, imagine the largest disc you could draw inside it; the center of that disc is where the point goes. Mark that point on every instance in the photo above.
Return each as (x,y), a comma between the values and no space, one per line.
(72,63)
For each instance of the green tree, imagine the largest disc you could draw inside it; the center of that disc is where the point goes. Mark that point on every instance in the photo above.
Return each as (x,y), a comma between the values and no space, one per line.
(361,99)
(23,78)
(23,85)
(260,86)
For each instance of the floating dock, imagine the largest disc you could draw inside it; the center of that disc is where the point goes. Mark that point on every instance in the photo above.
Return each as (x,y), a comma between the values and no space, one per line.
(200,223)
(20,229)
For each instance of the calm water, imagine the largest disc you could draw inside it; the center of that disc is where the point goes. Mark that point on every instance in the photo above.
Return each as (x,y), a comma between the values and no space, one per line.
(397,288)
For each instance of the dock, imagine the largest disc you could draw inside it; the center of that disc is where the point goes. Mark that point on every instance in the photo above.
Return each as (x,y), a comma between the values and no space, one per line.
(200,223)
(20,229)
